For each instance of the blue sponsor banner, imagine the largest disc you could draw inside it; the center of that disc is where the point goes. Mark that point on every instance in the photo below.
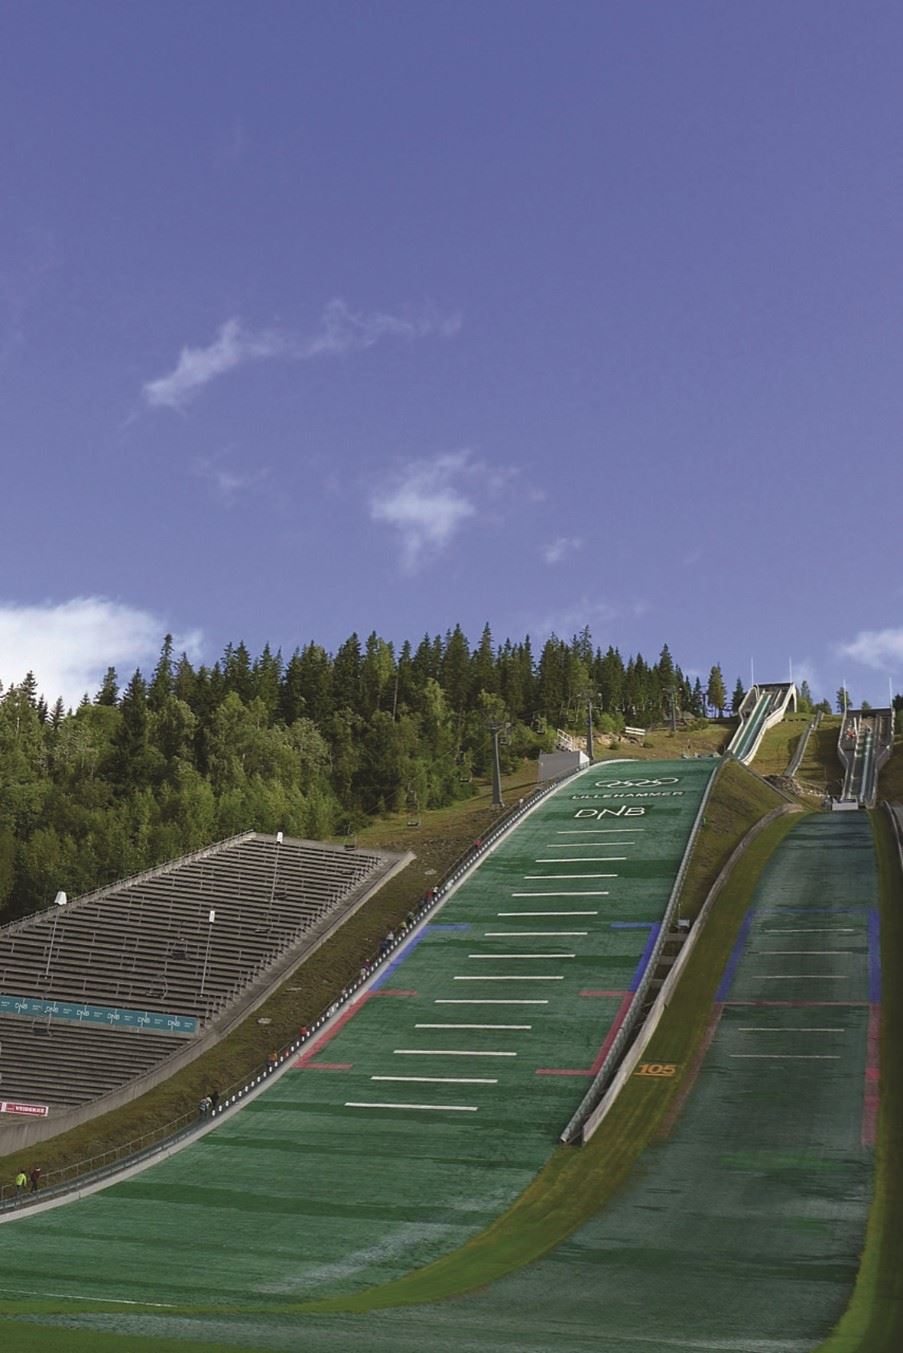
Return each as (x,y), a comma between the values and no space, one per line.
(114,1017)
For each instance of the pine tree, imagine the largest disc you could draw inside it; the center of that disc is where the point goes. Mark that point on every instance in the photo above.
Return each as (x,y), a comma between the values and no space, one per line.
(666,669)
(738,697)
(291,692)
(130,743)
(346,675)
(483,671)
(455,674)
(161,683)
(611,677)
(267,674)
(715,693)
(29,688)
(108,693)
(377,676)
(237,673)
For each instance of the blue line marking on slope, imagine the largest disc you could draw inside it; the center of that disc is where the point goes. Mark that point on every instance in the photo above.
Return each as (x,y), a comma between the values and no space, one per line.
(397,960)
(409,948)
(641,966)
(730,970)
(839,908)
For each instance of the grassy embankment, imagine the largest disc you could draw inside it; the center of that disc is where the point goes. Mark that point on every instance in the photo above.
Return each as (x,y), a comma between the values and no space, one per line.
(707,738)
(821,766)
(779,744)
(577,1182)
(873,1321)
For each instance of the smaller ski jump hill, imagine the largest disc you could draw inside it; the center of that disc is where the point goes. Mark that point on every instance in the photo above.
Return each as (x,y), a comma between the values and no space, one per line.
(865,743)
(762,708)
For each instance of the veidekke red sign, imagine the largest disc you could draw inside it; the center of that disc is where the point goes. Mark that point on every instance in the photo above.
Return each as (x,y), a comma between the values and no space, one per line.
(30,1110)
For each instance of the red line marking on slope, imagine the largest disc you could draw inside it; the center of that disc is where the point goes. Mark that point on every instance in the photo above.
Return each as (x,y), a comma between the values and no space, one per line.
(626,998)
(872,1092)
(693,1071)
(615,1026)
(327,1066)
(319,1043)
(556,1071)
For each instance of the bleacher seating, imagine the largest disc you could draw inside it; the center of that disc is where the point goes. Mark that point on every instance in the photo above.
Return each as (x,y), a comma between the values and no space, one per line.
(148,944)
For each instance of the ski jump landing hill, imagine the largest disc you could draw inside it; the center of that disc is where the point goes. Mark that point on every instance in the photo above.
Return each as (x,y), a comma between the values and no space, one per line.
(433,1098)
(409,1125)
(866,741)
(762,708)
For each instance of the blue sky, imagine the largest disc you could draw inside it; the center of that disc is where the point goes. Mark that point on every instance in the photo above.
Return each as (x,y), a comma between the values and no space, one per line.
(320,318)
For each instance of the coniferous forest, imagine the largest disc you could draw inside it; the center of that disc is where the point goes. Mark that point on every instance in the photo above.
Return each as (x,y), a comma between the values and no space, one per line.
(314,745)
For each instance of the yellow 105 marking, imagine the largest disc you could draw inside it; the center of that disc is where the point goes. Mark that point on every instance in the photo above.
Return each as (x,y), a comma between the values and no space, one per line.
(656,1069)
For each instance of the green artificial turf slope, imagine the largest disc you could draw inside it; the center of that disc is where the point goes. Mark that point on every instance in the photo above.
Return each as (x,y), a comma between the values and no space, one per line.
(873,1322)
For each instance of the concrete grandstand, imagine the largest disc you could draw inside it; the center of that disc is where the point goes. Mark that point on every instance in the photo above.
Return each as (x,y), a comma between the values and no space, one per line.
(113,991)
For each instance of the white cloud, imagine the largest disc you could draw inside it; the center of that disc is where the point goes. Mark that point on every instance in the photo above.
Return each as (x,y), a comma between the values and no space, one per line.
(341,330)
(232,346)
(70,645)
(561,548)
(429,501)
(879,649)
(228,484)
(804,670)
(572,619)
(344,331)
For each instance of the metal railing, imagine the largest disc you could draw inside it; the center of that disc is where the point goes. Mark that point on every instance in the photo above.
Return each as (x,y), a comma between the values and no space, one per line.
(797,759)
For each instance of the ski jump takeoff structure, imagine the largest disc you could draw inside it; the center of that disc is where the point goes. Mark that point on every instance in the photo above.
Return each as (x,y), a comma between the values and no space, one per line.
(866,741)
(762,708)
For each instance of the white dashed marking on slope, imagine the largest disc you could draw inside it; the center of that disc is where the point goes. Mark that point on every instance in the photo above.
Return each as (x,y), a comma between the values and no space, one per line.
(492,958)
(473,1026)
(442,1080)
(508,979)
(442,1108)
(447,1052)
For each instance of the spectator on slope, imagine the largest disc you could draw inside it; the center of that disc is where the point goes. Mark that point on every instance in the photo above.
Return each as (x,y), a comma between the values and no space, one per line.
(214,1101)
(21,1181)
(35,1178)
(204,1107)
